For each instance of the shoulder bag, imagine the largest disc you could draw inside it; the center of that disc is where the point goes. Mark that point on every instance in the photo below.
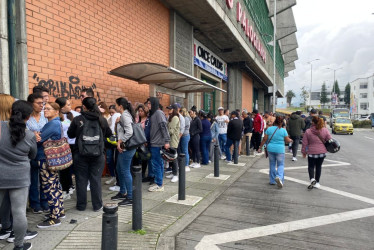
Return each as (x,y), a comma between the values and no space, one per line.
(267,143)
(58,153)
(137,139)
(331,145)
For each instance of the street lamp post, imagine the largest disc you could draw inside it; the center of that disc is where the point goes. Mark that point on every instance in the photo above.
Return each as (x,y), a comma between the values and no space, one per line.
(274,58)
(333,84)
(311,79)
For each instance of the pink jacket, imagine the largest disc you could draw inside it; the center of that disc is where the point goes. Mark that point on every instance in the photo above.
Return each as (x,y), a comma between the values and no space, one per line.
(311,142)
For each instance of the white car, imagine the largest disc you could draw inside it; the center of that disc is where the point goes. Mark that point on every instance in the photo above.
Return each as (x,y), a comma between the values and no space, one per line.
(364,118)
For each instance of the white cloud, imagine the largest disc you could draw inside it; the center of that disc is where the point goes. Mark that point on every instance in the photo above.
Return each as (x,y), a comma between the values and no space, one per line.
(338,32)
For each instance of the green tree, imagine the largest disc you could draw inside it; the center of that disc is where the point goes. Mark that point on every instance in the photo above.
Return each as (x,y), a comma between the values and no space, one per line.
(336,88)
(347,95)
(324,98)
(304,95)
(290,94)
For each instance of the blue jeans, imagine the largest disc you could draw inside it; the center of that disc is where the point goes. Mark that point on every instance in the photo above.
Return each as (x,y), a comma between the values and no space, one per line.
(37,198)
(276,159)
(230,142)
(184,147)
(204,146)
(124,173)
(157,165)
(222,139)
(110,161)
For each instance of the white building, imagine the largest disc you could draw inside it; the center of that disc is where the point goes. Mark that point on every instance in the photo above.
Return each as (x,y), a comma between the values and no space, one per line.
(362,96)
(316,99)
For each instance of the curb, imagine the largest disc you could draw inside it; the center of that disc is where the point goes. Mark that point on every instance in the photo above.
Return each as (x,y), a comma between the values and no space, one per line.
(166,239)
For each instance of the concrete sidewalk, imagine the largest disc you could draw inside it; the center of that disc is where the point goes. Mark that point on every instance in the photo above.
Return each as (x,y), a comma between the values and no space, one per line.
(163,216)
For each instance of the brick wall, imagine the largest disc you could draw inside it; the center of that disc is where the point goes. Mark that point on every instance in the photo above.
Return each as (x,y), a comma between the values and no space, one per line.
(247,92)
(74,43)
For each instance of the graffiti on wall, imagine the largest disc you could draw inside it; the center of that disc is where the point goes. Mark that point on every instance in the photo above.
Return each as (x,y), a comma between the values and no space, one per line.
(69,89)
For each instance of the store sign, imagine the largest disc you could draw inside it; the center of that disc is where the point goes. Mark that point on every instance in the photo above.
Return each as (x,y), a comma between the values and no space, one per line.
(206,59)
(248,29)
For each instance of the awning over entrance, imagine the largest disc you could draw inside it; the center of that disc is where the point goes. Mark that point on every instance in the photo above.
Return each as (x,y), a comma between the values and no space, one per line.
(163,76)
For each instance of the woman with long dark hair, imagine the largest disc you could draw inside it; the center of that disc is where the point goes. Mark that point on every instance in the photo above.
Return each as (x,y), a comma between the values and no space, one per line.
(67,117)
(174,131)
(314,147)
(50,180)
(142,112)
(18,146)
(275,137)
(89,166)
(205,138)
(124,133)
(195,130)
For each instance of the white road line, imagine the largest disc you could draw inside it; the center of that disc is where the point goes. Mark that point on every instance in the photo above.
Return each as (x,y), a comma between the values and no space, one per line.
(210,241)
(369,138)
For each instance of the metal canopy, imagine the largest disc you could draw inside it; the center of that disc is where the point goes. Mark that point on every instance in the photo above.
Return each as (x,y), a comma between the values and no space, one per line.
(163,76)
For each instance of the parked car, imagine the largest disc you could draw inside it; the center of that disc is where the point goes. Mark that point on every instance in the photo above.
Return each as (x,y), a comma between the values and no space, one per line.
(364,118)
(342,126)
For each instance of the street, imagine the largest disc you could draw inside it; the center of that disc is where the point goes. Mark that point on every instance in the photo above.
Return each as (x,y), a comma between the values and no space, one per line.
(251,214)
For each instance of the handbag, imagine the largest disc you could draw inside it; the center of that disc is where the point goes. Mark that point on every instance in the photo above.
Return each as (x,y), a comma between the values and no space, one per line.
(267,143)
(137,139)
(58,154)
(331,145)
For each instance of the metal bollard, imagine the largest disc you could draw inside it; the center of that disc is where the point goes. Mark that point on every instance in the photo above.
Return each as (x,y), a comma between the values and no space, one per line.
(137,198)
(216,160)
(247,145)
(236,152)
(182,177)
(109,231)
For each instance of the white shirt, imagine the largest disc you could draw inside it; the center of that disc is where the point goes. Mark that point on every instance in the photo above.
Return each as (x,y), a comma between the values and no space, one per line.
(222,124)
(66,125)
(112,121)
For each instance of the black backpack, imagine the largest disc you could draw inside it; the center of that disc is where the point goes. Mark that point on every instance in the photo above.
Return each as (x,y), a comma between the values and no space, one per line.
(90,141)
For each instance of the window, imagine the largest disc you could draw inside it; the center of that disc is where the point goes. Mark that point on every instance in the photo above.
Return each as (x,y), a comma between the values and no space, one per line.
(364,106)
(363,86)
(363,95)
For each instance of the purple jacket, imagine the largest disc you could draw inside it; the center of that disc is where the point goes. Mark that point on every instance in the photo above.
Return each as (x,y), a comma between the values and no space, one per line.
(311,142)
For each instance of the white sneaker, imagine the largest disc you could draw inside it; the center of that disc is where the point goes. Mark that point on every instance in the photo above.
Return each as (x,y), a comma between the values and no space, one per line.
(110,181)
(312,183)
(156,188)
(197,165)
(294,159)
(169,176)
(71,190)
(175,178)
(88,187)
(192,164)
(114,188)
(66,195)
(317,185)
(223,157)
(279,182)
(188,169)
(210,161)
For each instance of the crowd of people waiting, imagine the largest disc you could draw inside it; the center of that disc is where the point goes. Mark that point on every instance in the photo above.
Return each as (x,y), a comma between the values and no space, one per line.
(27,181)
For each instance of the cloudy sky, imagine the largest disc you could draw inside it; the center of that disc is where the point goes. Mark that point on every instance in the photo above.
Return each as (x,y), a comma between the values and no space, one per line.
(340,33)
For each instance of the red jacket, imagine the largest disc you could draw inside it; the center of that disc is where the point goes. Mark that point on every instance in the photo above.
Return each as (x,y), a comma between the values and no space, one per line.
(258,125)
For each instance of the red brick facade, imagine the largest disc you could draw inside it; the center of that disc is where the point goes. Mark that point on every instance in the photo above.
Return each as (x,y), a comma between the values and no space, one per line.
(74,43)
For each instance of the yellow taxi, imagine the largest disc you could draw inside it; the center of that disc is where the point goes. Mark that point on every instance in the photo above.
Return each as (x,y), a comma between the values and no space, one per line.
(342,126)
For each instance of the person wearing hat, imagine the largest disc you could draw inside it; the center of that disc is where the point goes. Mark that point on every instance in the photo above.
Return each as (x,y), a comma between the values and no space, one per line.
(174,131)
(222,121)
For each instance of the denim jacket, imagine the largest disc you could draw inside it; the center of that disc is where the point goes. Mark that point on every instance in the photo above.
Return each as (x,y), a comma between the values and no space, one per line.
(51,130)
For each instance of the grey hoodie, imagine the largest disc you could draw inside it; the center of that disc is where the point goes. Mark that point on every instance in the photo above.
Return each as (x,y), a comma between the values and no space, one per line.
(159,131)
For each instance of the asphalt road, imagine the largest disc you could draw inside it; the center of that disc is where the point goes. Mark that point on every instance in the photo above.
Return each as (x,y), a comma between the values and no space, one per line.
(251,214)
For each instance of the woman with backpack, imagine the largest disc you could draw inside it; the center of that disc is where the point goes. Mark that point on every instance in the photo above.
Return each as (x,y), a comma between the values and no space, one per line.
(124,133)
(313,146)
(90,130)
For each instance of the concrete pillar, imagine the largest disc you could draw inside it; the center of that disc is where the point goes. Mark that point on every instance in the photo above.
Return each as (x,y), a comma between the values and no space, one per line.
(4,49)
(22,63)
(234,89)
(261,100)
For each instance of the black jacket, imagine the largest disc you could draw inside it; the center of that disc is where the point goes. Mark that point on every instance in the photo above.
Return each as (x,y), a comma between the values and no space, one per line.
(76,125)
(196,127)
(234,129)
(248,125)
